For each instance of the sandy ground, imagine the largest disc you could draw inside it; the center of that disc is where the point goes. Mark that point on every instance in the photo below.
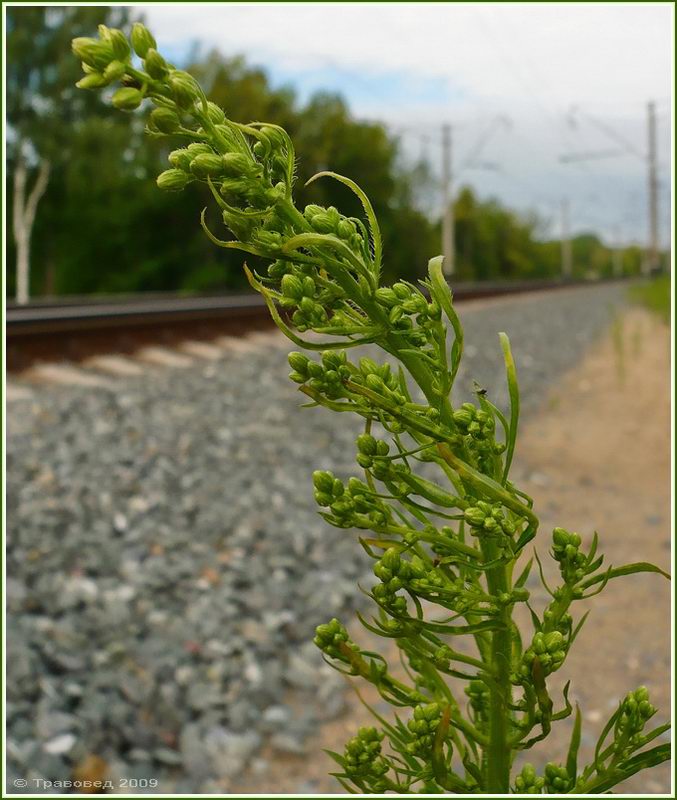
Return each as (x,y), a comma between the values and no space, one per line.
(596,457)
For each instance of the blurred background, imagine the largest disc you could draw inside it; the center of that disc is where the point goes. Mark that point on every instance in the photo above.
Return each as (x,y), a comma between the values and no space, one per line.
(543,132)
(166,567)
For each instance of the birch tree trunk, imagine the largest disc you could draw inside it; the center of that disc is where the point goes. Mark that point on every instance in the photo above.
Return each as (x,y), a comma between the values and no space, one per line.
(24,209)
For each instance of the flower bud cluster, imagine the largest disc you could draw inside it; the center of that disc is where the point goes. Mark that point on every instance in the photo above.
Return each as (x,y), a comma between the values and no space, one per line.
(477,429)
(403,301)
(555,620)
(326,376)
(372,454)
(488,520)
(351,506)
(423,727)
(329,221)
(566,550)
(331,637)
(474,422)
(394,573)
(478,696)
(104,60)
(557,779)
(379,379)
(636,710)
(528,782)
(363,759)
(549,648)
(301,294)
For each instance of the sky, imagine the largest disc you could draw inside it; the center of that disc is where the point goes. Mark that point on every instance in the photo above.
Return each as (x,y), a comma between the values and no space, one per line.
(521,84)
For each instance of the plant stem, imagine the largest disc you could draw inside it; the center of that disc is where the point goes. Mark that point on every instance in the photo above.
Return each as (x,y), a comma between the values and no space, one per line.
(500,690)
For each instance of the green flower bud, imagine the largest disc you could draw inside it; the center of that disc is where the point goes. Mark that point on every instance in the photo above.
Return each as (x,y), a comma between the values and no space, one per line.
(366,444)
(127,98)
(345,229)
(207,165)
(462,417)
(395,315)
(374,383)
(322,223)
(553,641)
(95,80)
(402,291)
(114,71)
(475,517)
(236,165)
(215,113)
(311,211)
(165,120)
(173,180)
(142,39)
(298,362)
(291,287)
(120,45)
(386,296)
(180,159)
(196,148)
(93,52)
(391,560)
(323,481)
(155,64)
(184,88)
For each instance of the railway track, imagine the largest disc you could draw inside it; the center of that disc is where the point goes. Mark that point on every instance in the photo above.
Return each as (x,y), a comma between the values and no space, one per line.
(76,330)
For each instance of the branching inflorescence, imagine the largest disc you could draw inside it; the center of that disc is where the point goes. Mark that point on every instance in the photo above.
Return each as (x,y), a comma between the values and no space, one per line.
(445,551)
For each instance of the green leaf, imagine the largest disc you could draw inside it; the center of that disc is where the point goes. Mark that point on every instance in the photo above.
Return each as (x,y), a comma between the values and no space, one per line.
(342,781)
(617,572)
(369,211)
(649,758)
(339,759)
(323,240)
(439,289)
(524,575)
(572,755)
(578,627)
(513,391)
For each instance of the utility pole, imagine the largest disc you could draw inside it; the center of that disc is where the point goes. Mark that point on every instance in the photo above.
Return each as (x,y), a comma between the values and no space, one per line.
(652,255)
(566,241)
(651,260)
(448,200)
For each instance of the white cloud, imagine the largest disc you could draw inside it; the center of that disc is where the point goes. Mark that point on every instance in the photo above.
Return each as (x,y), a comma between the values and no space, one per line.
(530,61)
(559,54)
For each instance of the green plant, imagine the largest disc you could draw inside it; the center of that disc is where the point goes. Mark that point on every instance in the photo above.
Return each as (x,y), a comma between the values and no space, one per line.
(451,544)
(655,295)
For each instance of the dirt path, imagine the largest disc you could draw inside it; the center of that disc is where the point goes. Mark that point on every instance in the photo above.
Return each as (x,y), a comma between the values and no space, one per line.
(596,457)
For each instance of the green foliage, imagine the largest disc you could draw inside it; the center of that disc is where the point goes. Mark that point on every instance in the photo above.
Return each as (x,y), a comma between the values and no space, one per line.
(448,546)
(655,295)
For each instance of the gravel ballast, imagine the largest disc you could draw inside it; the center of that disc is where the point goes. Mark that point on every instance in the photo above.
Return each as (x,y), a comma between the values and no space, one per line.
(167,567)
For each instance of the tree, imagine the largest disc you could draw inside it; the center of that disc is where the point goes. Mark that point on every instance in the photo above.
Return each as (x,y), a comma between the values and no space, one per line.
(42,104)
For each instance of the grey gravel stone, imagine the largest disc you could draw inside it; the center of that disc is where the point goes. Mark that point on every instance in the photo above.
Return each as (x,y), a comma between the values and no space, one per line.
(166,563)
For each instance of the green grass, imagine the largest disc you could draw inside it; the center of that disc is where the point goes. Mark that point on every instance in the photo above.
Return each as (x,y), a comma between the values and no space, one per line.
(655,295)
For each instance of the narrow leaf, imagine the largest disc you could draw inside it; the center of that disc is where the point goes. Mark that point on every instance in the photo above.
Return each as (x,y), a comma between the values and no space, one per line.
(439,288)
(628,569)
(524,575)
(513,391)
(572,756)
